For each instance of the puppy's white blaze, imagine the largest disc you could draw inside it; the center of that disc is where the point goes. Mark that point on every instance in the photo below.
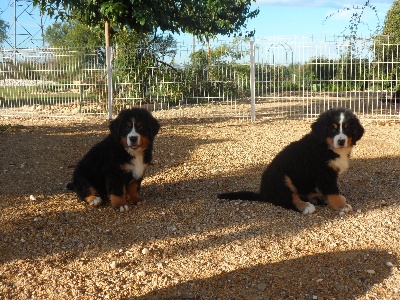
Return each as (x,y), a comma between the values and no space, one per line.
(341,135)
(309,209)
(133,133)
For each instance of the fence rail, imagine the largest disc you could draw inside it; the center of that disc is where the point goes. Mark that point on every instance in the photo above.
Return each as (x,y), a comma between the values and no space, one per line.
(292,77)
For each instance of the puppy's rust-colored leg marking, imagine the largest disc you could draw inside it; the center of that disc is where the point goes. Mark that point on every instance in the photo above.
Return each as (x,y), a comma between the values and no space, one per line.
(305,207)
(118,201)
(133,193)
(339,203)
(93,199)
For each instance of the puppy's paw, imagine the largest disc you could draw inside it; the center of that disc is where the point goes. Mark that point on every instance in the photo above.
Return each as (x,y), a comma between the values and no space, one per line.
(122,208)
(310,208)
(338,202)
(347,208)
(96,202)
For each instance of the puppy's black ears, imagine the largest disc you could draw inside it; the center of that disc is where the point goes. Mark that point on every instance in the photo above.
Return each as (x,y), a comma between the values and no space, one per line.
(154,126)
(358,130)
(115,127)
(319,128)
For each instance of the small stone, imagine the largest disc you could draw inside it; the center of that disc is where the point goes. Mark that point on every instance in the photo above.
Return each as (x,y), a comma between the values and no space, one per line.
(389,264)
(145,251)
(141,274)
(370,272)
(33,198)
(113,264)
(261,286)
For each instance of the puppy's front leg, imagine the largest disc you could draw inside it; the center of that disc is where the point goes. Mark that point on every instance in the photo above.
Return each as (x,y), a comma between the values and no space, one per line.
(338,202)
(132,192)
(117,194)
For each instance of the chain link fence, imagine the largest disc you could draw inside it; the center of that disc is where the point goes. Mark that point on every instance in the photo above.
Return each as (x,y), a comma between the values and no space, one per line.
(293,78)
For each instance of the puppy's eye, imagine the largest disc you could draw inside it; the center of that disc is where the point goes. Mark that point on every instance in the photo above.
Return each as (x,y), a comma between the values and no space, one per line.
(128,126)
(140,126)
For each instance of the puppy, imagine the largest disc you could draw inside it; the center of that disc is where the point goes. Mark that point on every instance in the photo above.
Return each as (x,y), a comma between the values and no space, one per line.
(112,171)
(306,171)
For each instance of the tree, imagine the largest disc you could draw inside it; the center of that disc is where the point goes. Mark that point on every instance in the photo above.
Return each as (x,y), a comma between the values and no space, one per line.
(391,25)
(356,19)
(201,18)
(72,33)
(224,17)
(3,30)
(386,46)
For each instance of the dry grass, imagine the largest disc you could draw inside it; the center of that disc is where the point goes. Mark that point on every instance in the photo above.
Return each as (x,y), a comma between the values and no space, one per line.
(182,243)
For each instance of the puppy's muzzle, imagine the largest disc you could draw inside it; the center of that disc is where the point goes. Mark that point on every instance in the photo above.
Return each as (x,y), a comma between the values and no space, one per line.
(341,142)
(133,142)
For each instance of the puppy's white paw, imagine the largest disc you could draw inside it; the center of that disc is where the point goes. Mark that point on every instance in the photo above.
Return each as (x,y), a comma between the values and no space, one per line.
(123,208)
(96,202)
(309,209)
(347,208)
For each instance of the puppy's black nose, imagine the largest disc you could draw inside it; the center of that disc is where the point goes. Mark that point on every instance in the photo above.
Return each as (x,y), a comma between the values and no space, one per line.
(133,139)
(341,142)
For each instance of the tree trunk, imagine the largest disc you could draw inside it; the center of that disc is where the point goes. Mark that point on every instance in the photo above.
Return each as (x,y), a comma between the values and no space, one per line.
(208,50)
(107,32)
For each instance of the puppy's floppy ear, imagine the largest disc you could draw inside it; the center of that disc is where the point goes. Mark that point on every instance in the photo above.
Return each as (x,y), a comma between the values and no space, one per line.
(154,126)
(358,130)
(319,128)
(115,127)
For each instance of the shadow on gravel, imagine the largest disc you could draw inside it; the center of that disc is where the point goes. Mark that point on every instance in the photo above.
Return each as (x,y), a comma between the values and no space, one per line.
(323,275)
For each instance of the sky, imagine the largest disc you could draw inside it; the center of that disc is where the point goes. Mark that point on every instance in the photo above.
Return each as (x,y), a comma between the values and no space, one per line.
(314,17)
(285,18)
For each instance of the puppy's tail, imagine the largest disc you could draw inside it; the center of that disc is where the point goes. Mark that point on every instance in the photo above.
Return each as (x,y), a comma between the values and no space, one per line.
(242,195)
(70,186)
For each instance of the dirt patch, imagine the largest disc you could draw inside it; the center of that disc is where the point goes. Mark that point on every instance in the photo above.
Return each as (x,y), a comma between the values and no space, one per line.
(182,243)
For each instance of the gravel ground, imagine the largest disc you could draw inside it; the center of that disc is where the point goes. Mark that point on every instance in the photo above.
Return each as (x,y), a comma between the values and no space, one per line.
(182,243)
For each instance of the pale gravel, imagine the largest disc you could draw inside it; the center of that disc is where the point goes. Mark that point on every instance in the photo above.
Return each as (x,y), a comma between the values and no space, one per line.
(182,243)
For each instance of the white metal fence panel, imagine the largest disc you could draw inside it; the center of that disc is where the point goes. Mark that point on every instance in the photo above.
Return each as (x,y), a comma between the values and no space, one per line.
(293,78)
(306,76)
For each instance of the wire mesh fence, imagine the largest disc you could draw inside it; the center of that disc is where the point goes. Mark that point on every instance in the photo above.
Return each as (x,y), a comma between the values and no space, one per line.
(294,77)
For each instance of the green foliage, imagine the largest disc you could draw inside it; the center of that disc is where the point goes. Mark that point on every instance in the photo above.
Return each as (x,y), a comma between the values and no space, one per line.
(224,17)
(386,48)
(3,30)
(223,76)
(201,18)
(391,26)
(140,64)
(73,33)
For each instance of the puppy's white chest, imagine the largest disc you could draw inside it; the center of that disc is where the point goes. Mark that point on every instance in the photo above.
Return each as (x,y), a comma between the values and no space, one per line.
(341,163)
(136,166)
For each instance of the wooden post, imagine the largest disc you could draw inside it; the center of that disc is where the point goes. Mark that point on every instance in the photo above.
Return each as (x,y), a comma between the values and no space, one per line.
(109,68)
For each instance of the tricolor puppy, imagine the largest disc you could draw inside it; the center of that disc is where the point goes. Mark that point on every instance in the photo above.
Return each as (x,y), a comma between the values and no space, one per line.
(112,171)
(306,171)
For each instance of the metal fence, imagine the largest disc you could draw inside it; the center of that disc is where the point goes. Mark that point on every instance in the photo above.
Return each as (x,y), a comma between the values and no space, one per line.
(292,78)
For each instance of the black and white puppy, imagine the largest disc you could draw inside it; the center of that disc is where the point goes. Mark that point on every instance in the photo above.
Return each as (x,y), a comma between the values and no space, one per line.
(306,172)
(112,171)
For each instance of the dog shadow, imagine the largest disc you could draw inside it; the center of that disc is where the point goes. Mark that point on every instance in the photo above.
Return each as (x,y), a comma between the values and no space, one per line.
(319,275)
